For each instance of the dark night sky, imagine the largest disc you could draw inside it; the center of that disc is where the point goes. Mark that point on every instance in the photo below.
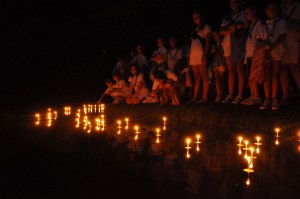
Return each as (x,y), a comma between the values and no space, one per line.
(60,51)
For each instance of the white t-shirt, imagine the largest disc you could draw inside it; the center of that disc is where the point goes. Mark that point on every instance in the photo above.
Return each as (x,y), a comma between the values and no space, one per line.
(253,35)
(230,20)
(135,80)
(161,51)
(173,56)
(119,86)
(272,29)
(197,49)
(140,59)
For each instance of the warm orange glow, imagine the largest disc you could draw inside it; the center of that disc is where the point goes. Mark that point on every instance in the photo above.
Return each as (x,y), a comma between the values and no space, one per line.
(119,127)
(49,118)
(38,119)
(246,148)
(257,143)
(198,136)
(188,141)
(277,130)
(248,182)
(98,124)
(165,123)
(102,108)
(127,123)
(158,135)
(240,145)
(102,122)
(84,109)
(67,110)
(89,125)
(77,120)
(136,132)
(85,122)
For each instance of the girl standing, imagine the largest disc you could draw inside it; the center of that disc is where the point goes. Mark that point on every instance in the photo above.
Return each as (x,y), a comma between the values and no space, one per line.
(200,42)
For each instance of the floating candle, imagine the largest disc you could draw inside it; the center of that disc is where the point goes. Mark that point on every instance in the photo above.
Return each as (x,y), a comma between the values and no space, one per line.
(67,110)
(277,130)
(119,127)
(240,145)
(188,141)
(38,119)
(102,122)
(127,123)
(257,143)
(246,148)
(158,135)
(102,107)
(77,120)
(49,118)
(198,142)
(84,109)
(98,124)
(164,123)
(136,132)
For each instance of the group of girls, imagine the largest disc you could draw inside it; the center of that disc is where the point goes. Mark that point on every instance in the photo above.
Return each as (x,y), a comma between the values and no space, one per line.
(245,50)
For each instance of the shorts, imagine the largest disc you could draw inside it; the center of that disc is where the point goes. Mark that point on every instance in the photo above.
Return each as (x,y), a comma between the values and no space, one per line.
(218,63)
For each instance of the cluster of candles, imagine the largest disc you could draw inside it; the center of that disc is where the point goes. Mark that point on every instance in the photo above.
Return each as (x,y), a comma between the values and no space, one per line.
(93,108)
(188,145)
(50,117)
(249,154)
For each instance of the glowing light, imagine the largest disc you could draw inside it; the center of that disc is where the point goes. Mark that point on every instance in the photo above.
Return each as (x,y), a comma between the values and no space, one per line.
(55,115)
(198,136)
(136,132)
(77,120)
(85,122)
(248,182)
(246,148)
(102,122)
(98,124)
(119,127)
(84,109)
(165,123)
(49,118)
(257,143)
(102,108)
(240,145)
(277,130)
(38,119)
(188,141)
(89,125)
(95,108)
(158,135)
(67,110)
(127,123)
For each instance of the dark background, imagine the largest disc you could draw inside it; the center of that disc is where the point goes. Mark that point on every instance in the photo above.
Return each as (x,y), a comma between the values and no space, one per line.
(60,52)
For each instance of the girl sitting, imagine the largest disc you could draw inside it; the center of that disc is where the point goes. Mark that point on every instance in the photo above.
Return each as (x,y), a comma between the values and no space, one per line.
(117,89)
(137,87)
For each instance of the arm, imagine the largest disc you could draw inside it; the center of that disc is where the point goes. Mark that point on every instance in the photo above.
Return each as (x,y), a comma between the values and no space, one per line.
(130,89)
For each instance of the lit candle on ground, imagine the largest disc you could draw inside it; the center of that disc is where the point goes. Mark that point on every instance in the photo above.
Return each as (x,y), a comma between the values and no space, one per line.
(102,122)
(49,118)
(246,148)
(95,108)
(77,120)
(127,123)
(136,132)
(277,130)
(157,135)
(188,141)
(102,107)
(165,123)
(38,119)
(257,143)
(240,145)
(248,171)
(99,108)
(67,110)
(85,122)
(98,124)
(55,115)
(198,142)
(89,125)
(119,127)
(84,109)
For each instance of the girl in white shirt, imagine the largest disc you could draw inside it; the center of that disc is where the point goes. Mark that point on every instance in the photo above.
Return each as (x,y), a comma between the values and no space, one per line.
(272,35)
(233,28)
(174,55)
(118,89)
(137,87)
(159,57)
(200,42)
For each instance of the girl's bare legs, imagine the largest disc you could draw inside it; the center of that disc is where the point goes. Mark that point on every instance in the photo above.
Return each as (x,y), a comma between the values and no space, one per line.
(267,82)
(241,78)
(218,77)
(197,79)
(231,75)
(275,78)
(204,76)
